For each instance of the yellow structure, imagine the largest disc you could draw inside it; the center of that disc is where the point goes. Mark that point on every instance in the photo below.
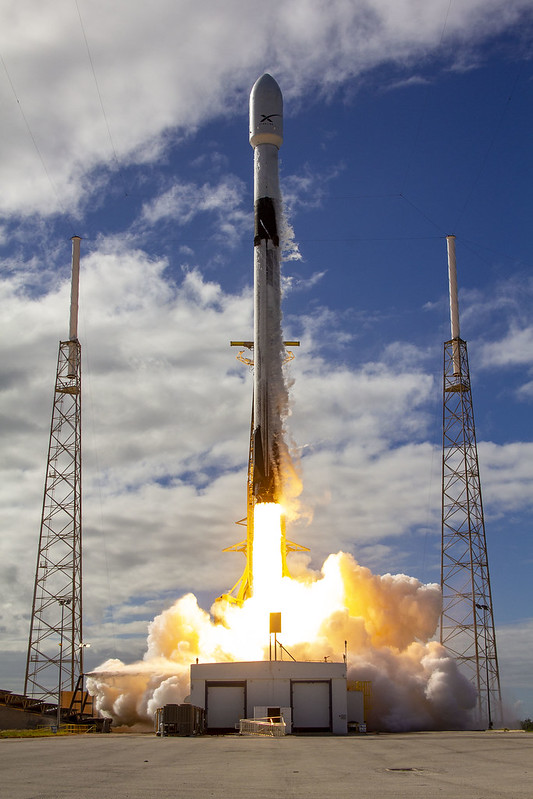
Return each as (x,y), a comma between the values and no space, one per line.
(365,687)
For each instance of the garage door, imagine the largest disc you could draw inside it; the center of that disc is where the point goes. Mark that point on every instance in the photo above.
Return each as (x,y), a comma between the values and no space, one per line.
(311,705)
(225,705)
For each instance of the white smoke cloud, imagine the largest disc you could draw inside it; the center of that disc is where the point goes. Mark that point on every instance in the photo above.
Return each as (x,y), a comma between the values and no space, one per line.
(387,622)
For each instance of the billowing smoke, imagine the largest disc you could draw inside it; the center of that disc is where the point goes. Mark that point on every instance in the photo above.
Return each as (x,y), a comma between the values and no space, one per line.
(388,622)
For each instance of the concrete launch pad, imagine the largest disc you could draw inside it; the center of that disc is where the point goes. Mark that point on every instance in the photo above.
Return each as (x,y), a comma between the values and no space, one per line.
(463,765)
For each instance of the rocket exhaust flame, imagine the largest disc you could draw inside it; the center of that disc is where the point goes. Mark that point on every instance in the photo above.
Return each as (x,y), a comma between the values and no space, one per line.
(268,566)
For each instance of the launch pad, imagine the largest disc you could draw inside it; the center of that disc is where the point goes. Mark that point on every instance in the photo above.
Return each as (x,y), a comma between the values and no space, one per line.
(417,765)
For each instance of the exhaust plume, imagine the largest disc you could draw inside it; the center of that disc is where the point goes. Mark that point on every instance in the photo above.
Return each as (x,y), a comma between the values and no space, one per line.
(387,620)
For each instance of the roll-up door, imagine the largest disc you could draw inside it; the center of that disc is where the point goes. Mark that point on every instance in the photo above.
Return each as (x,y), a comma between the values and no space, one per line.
(225,705)
(311,705)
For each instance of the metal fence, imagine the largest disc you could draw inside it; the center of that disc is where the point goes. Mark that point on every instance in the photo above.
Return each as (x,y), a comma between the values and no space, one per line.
(266,726)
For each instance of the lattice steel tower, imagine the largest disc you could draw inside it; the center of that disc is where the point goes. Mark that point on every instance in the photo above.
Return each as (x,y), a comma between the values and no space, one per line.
(467,620)
(55,651)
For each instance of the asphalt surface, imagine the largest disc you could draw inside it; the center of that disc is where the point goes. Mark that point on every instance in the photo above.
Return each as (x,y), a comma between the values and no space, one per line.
(462,765)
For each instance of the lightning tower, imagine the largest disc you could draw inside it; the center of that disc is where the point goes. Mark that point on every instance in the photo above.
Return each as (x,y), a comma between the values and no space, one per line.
(467,620)
(55,649)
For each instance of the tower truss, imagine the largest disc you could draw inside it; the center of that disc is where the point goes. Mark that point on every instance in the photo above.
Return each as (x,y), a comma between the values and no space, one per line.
(467,620)
(56,620)
(55,652)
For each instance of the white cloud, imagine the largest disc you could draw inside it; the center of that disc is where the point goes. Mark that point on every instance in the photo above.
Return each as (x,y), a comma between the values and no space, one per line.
(165,420)
(515,349)
(152,425)
(507,304)
(507,475)
(525,392)
(308,188)
(362,436)
(168,67)
(501,322)
(413,80)
(515,655)
(184,201)
(297,283)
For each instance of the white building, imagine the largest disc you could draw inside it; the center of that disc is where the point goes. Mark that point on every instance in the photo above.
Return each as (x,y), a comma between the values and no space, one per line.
(311,697)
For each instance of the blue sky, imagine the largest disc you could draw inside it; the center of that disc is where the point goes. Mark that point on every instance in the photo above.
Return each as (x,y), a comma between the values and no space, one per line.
(401,125)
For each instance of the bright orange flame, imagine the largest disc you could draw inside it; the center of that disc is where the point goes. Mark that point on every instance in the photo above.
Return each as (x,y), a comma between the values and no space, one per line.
(303,606)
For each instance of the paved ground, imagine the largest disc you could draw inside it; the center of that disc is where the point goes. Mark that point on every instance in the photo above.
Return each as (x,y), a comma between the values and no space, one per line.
(460,765)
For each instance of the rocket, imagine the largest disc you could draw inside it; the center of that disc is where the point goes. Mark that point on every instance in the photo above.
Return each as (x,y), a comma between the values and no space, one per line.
(266,137)
(269,457)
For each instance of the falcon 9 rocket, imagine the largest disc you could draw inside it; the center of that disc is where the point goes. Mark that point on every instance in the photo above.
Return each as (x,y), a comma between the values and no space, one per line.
(268,450)
(266,137)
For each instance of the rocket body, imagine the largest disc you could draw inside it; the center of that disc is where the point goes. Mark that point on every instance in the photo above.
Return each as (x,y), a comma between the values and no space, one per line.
(266,136)
(269,462)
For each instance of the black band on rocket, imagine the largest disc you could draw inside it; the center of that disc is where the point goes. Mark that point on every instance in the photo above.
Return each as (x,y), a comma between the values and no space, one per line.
(265,221)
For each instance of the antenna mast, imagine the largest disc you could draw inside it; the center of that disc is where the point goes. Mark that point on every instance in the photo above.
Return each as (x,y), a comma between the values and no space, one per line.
(55,650)
(467,620)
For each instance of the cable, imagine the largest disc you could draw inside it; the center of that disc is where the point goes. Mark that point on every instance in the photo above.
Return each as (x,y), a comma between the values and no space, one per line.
(426,217)
(424,108)
(99,524)
(489,148)
(472,245)
(32,137)
(98,92)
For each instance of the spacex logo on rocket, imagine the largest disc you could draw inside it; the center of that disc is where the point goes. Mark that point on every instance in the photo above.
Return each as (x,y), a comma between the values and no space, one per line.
(265,118)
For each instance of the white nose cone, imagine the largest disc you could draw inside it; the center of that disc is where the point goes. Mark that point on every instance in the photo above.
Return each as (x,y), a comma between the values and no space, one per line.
(266,112)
